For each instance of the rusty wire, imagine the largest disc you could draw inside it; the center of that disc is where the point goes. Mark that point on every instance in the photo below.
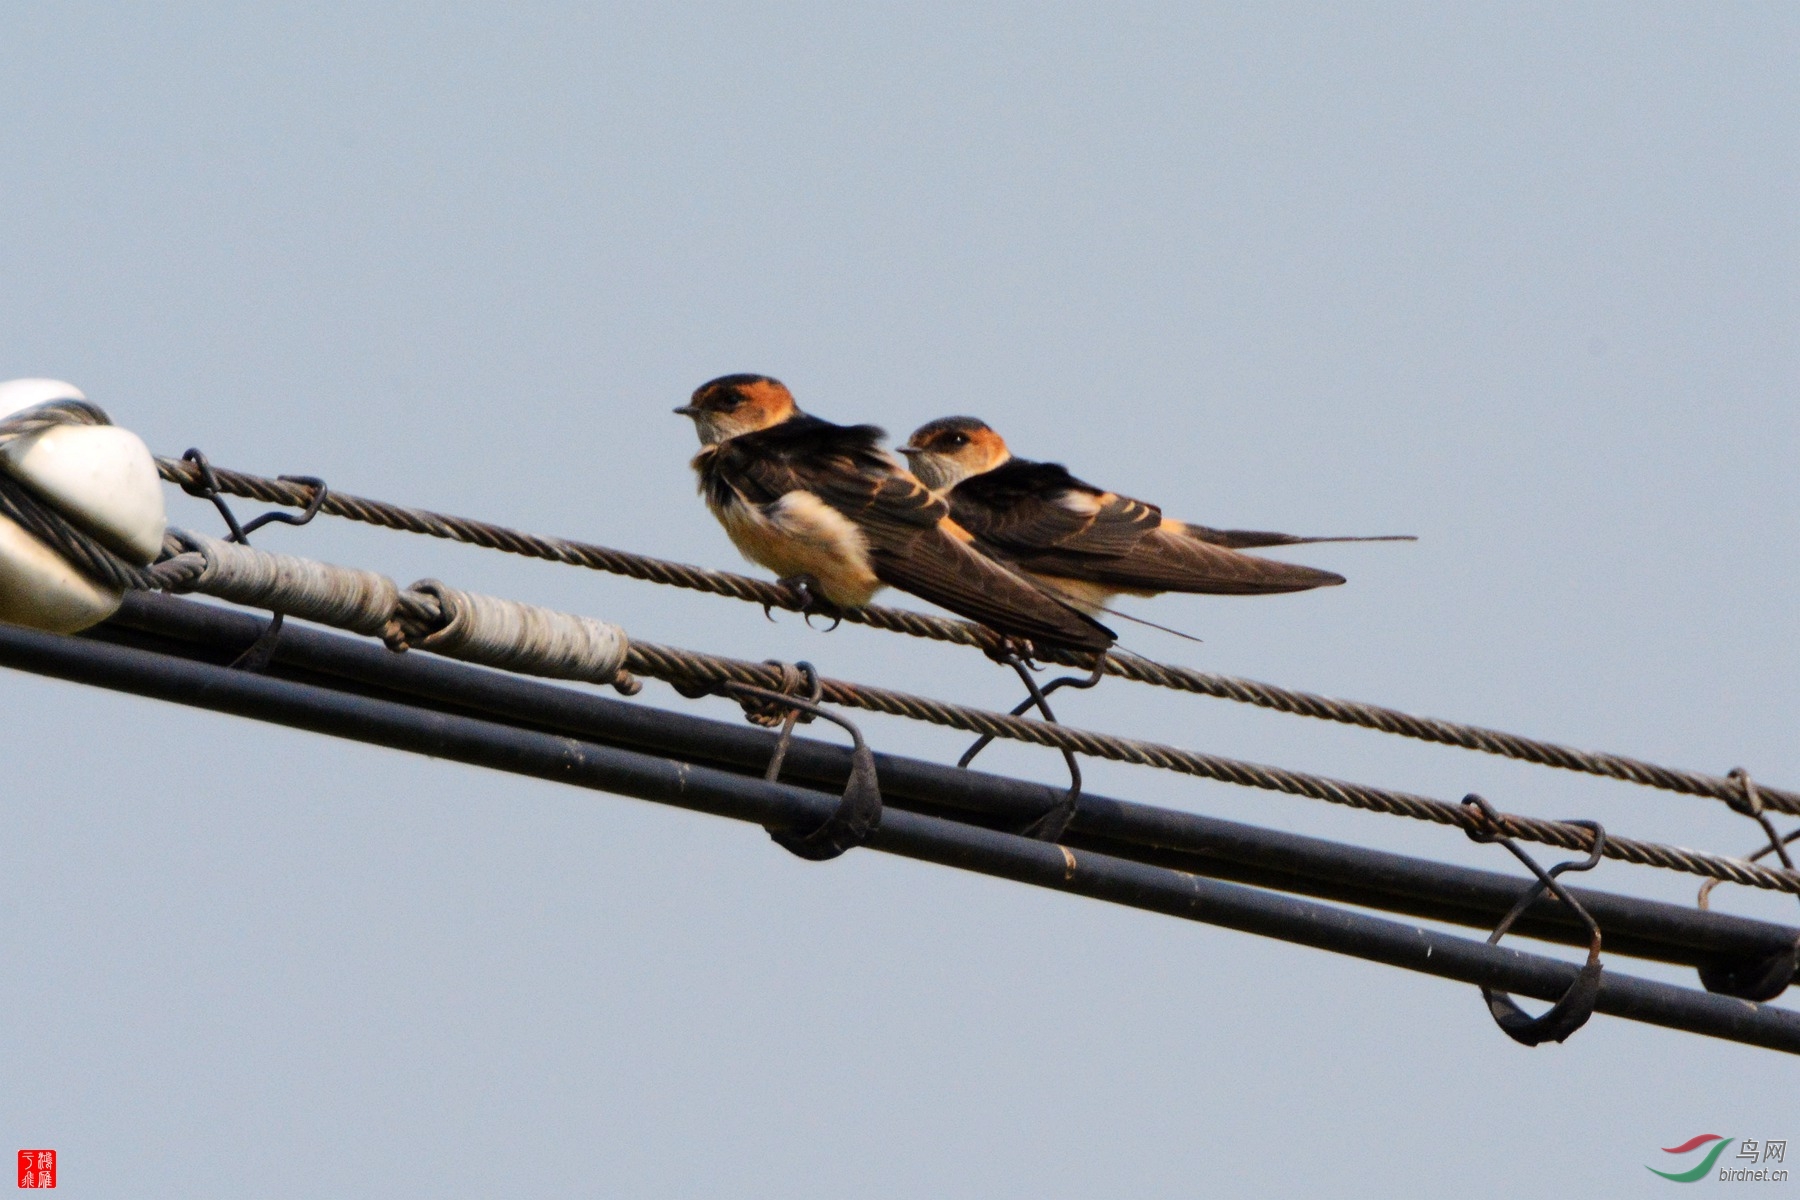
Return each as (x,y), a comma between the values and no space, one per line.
(1118,663)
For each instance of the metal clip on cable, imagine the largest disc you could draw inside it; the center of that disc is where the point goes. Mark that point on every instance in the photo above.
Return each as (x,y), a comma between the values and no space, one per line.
(859,811)
(1762,978)
(208,489)
(1050,826)
(261,652)
(1576,1005)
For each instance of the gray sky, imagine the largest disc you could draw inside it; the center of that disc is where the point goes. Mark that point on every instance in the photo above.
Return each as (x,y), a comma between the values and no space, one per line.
(1520,280)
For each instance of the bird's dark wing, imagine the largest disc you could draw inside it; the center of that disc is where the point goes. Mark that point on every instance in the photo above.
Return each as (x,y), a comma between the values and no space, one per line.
(912,543)
(1023,507)
(1168,561)
(938,566)
(1046,521)
(795,455)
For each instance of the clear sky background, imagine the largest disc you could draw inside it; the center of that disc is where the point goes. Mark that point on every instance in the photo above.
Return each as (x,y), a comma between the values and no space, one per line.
(1518,279)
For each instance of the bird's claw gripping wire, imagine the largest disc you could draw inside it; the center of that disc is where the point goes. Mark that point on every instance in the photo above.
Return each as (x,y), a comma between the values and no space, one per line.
(1051,825)
(1005,649)
(1762,978)
(807,601)
(859,810)
(1572,1010)
(257,657)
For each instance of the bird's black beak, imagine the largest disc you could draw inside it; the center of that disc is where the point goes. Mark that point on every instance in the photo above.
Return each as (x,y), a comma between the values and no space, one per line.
(686,410)
(911,450)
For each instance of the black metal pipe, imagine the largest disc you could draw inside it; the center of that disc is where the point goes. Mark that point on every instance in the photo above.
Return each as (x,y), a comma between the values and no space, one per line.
(1163,837)
(915,835)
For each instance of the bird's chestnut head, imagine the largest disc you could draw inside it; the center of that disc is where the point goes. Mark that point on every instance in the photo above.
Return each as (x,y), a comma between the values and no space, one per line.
(733,405)
(945,452)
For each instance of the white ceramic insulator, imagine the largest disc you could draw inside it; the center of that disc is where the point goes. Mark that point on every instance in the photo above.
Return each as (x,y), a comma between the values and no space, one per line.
(40,589)
(101,477)
(16,394)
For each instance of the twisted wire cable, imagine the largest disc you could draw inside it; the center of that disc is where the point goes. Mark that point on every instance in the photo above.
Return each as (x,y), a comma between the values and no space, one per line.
(420,615)
(923,625)
(1446,733)
(424,613)
(688,668)
(519,637)
(87,553)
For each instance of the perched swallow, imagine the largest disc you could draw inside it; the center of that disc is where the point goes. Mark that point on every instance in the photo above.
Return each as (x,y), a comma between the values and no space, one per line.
(1086,543)
(823,505)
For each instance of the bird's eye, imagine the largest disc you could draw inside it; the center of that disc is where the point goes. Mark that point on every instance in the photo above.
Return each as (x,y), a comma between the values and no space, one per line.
(958,439)
(729,401)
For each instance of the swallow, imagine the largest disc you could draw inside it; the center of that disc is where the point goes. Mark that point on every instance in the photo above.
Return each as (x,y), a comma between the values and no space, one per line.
(824,507)
(1085,543)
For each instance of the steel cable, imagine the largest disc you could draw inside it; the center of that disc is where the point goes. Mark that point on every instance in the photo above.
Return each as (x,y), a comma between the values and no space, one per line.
(1118,663)
(689,668)
(421,613)
(698,787)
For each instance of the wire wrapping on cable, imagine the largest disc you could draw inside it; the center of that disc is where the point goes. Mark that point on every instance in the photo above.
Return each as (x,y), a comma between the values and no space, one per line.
(488,630)
(360,601)
(502,633)
(1118,663)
